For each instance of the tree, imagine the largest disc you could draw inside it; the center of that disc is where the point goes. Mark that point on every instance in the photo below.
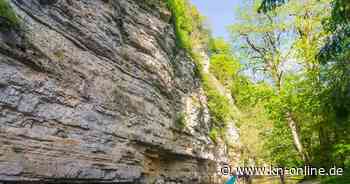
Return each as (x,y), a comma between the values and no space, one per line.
(223,64)
(262,37)
(330,71)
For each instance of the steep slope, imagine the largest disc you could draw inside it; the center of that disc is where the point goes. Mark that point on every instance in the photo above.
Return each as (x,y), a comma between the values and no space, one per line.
(232,132)
(95,90)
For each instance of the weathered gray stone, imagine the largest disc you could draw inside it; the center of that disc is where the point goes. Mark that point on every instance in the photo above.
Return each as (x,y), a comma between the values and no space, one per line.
(10,97)
(28,103)
(93,89)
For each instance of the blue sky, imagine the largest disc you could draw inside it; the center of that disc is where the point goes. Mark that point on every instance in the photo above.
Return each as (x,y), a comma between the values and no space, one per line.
(220,14)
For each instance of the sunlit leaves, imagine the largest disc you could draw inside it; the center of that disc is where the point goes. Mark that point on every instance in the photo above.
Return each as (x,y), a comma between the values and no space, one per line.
(222,62)
(189,24)
(220,110)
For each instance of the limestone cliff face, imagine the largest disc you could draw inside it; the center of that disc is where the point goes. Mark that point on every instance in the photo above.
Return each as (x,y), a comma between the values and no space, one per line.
(95,89)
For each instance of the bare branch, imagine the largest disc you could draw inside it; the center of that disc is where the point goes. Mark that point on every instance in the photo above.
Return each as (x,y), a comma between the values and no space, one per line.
(254,47)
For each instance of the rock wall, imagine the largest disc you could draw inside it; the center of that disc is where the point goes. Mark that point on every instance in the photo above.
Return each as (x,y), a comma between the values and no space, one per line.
(94,90)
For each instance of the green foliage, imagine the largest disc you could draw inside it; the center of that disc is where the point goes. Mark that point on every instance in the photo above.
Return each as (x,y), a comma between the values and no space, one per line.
(248,94)
(193,36)
(188,24)
(334,75)
(190,30)
(300,93)
(315,91)
(336,48)
(253,125)
(219,106)
(223,67)
(262,124)
(214,134)
(7,13)
(340,150)
(219,46)
(340,17)
(222,62)
(345,179)
(181,121)
(280,147)
(183,22)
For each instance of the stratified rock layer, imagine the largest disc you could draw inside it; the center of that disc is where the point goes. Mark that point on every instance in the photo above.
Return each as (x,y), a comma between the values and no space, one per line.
(93,90)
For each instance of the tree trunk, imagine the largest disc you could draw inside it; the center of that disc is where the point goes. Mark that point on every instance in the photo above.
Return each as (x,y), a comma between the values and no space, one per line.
(325,147)
(282,180)
(296,137)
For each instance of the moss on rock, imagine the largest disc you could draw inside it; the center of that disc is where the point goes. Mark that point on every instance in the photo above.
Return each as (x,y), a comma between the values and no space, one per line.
(8,16)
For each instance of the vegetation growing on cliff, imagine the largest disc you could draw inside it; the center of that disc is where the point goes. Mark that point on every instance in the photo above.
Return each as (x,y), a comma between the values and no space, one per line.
(223,69)
(223,64)
(219,108)
(194,37)
(181,121)
(290,80)
(10,19)
(291,83)
(189,26)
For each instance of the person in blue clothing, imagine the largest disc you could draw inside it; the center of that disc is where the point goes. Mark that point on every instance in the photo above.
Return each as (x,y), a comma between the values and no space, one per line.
(232,180)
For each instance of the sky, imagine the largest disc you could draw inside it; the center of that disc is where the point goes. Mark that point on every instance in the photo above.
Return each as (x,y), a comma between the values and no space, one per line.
(220,14)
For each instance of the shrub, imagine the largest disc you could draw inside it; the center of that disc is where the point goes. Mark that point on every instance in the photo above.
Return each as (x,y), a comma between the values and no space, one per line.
(219,106)
(345,179)
(213,134)
(188,23)
(223,63)
(191,34)
(189,28)
(224,67)
(180,121)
